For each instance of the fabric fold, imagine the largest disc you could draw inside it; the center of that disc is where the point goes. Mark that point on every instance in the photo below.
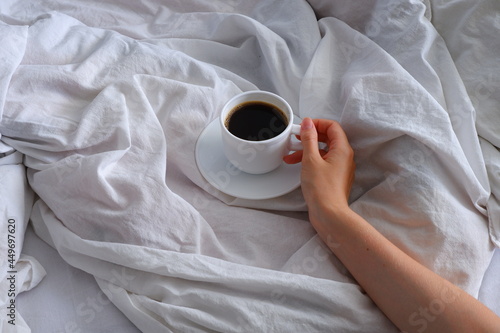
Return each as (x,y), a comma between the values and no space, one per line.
(103,105)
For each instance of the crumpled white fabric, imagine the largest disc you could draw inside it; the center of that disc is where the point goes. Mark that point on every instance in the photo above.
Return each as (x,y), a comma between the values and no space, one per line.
(474,46)
(28,274)
(109,100)
(18,273)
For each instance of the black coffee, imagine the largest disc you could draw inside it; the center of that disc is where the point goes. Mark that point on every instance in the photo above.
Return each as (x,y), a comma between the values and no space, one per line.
(256,121)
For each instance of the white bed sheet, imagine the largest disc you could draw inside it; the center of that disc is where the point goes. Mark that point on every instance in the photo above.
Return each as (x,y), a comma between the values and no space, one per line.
(490,288)
(103,100)
(67,299)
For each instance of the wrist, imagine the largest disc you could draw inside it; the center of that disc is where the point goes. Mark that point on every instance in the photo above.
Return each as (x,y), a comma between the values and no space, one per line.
(329,218)
(329,209)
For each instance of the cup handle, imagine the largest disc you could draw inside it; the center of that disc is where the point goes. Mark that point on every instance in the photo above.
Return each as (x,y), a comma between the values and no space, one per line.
(295,145)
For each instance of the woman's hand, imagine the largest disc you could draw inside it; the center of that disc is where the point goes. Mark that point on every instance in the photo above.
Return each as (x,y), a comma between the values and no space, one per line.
(327,175)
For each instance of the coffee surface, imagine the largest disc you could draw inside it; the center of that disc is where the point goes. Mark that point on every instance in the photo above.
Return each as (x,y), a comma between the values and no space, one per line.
(256,121)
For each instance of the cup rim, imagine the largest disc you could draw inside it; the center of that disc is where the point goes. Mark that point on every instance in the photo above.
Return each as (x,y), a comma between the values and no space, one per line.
(288,113)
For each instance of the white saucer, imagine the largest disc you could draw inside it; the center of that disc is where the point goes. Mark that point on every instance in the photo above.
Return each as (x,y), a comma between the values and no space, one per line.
(221,174)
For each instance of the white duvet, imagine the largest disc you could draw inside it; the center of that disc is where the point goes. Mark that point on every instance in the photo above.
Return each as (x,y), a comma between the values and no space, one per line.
(106,101)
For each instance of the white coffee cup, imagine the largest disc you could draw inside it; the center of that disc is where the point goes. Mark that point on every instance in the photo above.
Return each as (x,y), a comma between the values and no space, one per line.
(263,152)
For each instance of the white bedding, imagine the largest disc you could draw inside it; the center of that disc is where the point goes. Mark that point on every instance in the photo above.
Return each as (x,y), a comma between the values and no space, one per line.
(105,102)
(67,299)
(74,303)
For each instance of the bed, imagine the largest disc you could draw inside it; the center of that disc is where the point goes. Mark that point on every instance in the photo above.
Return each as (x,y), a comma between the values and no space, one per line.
(109,222)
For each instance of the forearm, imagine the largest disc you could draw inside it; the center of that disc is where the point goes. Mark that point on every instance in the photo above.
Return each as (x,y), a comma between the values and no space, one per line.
(412,296)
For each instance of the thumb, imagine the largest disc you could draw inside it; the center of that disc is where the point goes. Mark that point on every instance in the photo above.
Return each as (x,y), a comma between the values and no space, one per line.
(309,139)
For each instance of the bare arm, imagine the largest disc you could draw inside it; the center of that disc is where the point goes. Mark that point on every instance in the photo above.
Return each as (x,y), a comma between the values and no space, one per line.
(413,297)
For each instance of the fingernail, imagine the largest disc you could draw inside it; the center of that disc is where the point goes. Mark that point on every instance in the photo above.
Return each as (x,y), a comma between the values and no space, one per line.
(307,123)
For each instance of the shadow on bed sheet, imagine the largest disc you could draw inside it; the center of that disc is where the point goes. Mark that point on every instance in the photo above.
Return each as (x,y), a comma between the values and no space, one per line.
(67,300)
